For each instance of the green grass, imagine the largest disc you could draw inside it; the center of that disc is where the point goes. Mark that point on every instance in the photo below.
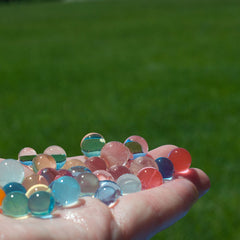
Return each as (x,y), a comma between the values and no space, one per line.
(167,70)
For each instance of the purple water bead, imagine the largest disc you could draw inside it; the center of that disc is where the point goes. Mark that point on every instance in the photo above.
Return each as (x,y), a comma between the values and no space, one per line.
(165,167)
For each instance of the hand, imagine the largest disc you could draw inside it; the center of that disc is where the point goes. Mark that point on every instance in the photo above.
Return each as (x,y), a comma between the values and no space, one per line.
(135,216)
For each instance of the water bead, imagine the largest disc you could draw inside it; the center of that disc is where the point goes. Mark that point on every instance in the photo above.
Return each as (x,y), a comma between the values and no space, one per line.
(103,175)
(41,204)
(49,174)
(92,144)
(129,183)
(15,204)
(43,161)
(72,163)
(14,187)
(95,163)
(181,159)
(108,183)
(58,153)
(37,188)
(88,182)
(150,177)
(115,153)
(65,190)
(107,194)
(165,167)
(77,170)
(11,171)
(140,140)
(118,170)
(26,156)
(33,180)
(134,147)
(63,172)
(2,196)
(142,162)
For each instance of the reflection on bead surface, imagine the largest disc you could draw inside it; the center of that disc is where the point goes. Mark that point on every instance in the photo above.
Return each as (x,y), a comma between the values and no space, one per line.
(15,204)
(103,175)
(33,180)
(72,163)
(26,156)
(165,167)
(181,159)
(107,194)
(115,153)
(129,183)
(41,203)
(134,147)
(88,183)
(58,153)
(37,188)
(48,173)
(11,171)
(142,162)
(43,161)
(65,190)
(92,144)
(2,196)
(139,140)
(77,170)
(14,187)
(117,170)
(150,177)
(95,163)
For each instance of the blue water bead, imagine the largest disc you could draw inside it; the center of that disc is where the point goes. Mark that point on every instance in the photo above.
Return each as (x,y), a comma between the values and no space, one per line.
(41,204)
(109,183)
(107,194)
(11,171)
(14,187)
(77,170)
(65,190)
(129,183)
(15,204)
(165,167)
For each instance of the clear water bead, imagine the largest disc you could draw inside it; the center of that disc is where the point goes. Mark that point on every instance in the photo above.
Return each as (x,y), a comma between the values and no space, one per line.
(26,156)
(92,144)
(58,153)
(11,171)
(140,140)
(129,183)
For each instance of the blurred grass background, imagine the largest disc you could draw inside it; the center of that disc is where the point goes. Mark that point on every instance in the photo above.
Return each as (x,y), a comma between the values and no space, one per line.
(166,70)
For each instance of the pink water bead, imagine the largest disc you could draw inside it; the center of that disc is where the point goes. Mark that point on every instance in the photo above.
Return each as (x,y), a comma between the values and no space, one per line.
(63,172)
(103,175)
(115,153)
(150,177)
(95,163)
(142,162)
(181,159)
(43,161)
(118,170)
(33,180)
(139,140)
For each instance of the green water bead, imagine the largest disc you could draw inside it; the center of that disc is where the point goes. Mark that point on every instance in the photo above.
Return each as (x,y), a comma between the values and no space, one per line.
(15,204)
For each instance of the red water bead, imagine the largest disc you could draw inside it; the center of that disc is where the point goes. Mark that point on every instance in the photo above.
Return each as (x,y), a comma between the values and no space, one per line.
(117,170)
(95,163)
(49,174)
(181,159)
(103,175)
(34,179)
(142,162)
(150,177)
(115,153)
(63,172)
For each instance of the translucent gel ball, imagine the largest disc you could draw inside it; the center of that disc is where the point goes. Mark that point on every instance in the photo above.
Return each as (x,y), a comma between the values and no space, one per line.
(65,190)
(15,204)
(14,187)
(41,203)
(103,175)
(43,161)
(72,163)
(107,183)
(77,170)
(134,147)
(58,153)
(181,159)
(33,180)
(11,171)
(26,156)
(150,177)
(139,140)
(165,167)
(2,196)
(116,171)
(49,174)
(129,183)
(92,144)
(115,153)
(95,163)
(37,188)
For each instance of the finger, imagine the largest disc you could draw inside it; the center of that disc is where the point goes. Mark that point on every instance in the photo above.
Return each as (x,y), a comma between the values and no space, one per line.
(144,213)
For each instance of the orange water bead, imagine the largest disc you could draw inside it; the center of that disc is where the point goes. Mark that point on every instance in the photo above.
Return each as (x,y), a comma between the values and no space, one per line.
(73,163)
(2,196)
(33,180)
(43,161)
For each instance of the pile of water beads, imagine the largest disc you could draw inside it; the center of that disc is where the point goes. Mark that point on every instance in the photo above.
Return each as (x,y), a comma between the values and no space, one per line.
(36,184)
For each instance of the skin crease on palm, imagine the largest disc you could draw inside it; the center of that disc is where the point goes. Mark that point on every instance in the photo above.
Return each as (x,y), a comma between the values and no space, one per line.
(135,216)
